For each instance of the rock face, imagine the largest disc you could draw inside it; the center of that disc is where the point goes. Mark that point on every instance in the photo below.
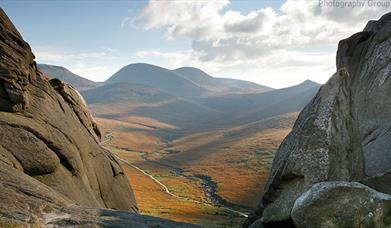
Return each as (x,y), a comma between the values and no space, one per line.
(48,133)
(342,135)
(51,164)
(359,206)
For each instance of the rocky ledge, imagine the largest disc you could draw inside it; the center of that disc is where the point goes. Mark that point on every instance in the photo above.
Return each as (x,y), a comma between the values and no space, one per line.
(53,172)
(334,168)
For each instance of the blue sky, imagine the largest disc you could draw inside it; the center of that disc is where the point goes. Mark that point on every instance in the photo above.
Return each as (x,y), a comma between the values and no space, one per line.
(271,42)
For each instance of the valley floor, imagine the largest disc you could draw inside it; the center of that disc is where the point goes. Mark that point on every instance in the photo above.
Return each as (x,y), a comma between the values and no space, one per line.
(212,178)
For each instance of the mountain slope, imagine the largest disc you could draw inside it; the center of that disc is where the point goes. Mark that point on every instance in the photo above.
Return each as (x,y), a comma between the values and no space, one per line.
(219,85)
(124,100)
(247,108)
(125,92)
(158,77)
(67,76)
(244,152)
(191,115)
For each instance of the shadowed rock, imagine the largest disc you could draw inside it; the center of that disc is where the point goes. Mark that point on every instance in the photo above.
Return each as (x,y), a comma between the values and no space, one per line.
(48,133)
(359,206)
(342,135)
(52,167)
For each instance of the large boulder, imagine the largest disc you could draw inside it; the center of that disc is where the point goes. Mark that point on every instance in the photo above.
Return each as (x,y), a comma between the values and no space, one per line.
(53,172)
(342,204)
(343,134)
(48,133)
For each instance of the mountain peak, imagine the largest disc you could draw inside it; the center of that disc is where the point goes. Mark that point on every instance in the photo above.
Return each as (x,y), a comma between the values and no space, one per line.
(310,82)
(192,73)
(219,85)
(154,76)
(307,84)
(145,66)
(191,69)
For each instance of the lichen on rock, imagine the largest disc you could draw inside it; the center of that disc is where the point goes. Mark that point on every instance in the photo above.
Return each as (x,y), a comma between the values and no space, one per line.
(343,134)
(53,171)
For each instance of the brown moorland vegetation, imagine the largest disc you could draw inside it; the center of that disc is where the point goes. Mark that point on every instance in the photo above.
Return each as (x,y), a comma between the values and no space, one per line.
(236,159)
(243,154)
(153,200)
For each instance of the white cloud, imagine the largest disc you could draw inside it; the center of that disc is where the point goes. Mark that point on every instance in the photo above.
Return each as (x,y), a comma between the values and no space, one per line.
(301,22)
(93,72)
(96,66)
(50,55)
(235,22)
(182,18)
(226,41)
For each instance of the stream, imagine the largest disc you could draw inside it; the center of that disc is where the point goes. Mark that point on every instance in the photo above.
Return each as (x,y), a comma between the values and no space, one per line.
(209,186)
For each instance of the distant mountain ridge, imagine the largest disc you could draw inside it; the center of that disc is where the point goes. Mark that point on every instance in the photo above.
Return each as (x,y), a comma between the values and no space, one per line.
(79,82)
(196,114)
(182,82)
(246,108)
(158,77)
(186,97)
(219,85)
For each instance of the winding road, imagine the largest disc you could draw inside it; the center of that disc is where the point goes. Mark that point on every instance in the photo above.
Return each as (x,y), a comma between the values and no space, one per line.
(109,137)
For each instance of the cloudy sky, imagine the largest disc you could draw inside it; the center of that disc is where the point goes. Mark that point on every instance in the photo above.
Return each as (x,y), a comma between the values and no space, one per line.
(270,42)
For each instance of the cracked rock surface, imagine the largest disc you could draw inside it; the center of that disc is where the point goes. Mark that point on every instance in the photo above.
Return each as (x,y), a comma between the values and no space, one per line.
(343,134)
(53,172)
